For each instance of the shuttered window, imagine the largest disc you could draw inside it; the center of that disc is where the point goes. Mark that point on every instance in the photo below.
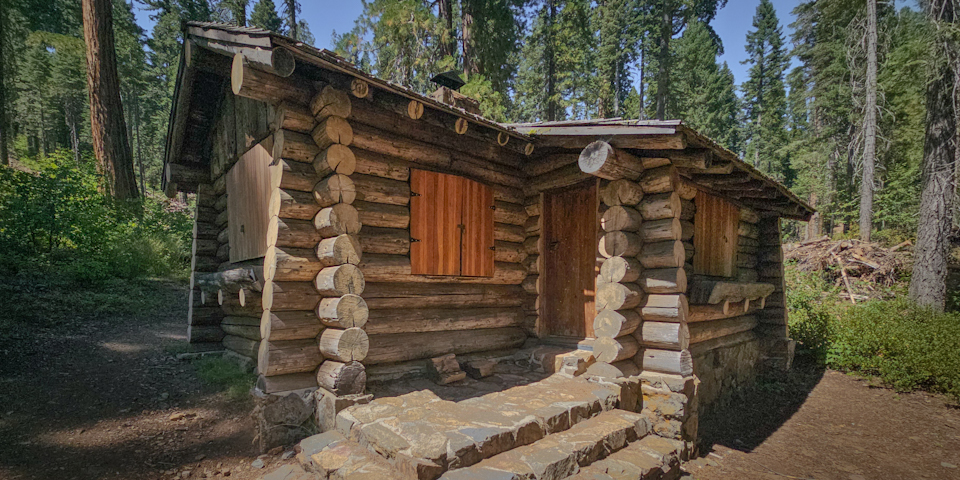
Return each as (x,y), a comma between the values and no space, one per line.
(715,236)
(451,225)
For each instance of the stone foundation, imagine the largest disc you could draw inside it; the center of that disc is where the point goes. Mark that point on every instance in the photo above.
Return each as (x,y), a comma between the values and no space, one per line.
(671,404)
(283,419)
(724,372)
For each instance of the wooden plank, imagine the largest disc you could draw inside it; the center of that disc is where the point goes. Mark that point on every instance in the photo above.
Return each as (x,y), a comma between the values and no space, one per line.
(435,214)
(715,236)
(248,199)
(477,240)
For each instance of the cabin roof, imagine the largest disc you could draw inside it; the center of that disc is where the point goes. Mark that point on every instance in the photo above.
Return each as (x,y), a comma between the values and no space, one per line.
(719,169)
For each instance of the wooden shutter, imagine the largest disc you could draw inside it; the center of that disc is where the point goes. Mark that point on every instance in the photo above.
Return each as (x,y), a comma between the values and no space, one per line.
(248,199)
(477,251)
(435,213)
(715,236)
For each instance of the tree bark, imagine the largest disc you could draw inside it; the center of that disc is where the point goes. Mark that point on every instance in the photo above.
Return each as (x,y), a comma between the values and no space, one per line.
(663,68)
(869,126)
(292,19)
(550,53)
(4,154)
(449,45)
(928,283)
(110,143)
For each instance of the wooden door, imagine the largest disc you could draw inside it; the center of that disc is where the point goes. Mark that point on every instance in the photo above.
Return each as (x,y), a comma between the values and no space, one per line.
(570,246)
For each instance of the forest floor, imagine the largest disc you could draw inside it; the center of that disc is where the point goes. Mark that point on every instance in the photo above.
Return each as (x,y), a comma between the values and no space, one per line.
(90,388)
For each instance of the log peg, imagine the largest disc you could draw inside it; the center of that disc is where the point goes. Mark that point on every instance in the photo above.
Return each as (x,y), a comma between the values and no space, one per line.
(502,139)
(359,88)
(461,126)
(415,109)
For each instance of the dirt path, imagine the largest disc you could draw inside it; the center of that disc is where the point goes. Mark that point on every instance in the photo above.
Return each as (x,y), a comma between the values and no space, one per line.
(103,398)
(843,429)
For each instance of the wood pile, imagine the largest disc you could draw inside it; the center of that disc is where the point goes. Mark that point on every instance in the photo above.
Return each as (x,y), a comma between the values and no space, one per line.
(868,262)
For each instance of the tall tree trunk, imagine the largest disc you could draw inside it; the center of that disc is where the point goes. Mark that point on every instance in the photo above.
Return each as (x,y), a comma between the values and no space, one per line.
(4,154)
(466,24)
(110,144)
(449,44)
(663,72)
(869,126)
(292,19)
(551,54)
(928,282)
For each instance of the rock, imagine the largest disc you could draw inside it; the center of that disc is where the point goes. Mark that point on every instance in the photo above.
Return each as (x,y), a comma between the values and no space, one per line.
(947,465)
(287,455)
(258,463)
(290,410)
(479,368)
(176,416)
(275,450)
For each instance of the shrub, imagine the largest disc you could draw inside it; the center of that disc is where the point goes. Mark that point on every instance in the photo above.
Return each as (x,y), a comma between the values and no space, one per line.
(55,220)
(908,346)
(812,314)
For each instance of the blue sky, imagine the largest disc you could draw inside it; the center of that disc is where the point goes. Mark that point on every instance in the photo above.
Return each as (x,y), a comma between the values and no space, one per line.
(732,24)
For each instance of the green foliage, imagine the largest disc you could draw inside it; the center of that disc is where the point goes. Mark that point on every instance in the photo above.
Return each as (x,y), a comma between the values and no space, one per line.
(265,16)
(811,318)
(909,347)
(226,375)
(56,220)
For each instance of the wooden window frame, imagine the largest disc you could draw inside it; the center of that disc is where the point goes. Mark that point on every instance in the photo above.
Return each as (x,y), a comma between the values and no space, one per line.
(451,226)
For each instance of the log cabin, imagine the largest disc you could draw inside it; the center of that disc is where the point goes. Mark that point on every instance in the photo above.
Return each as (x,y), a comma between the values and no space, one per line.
(348,228)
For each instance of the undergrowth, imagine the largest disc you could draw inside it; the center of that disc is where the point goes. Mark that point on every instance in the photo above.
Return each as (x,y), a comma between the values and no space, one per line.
(907,346)
(227,375)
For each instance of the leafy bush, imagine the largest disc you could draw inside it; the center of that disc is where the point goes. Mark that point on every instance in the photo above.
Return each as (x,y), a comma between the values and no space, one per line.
(908,346)
(226,375)
(55,219)
(811,314)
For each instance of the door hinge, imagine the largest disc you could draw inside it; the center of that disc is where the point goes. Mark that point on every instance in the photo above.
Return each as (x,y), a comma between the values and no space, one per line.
(493,248)
(414,194)
(493,207)
(414,240)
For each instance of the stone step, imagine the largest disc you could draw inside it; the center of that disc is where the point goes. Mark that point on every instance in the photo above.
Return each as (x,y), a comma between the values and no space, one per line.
(423,436)
(330,455)
(651,458)
(562,454)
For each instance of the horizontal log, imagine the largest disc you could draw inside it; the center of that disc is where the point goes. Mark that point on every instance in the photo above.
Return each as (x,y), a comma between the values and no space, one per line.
(290,296)
(204,334)
(295,325)
(339,280)
(609,350)
(509,233)
(703,331)
(664,280)
(668,254)
(295,146)
(661,230)
(384,166)
(688,210)
(338,219)
(533,264)
(381,190)
(620,270)
(292,204)
(698,349)
(602,160)
(230,280)
(659,206)
(613,323)
(393,241)
(622,244)
(344,312)
(663,335)
(396,268)
(665,361)
(282,357)
(531,284)
(384,296)
(294,175)
(241,321)
(618,296)
(509,213)
(508,252)
(659,180)
(749,215)
(396,347)
(686,189)
(531,245)
(342,378)
(707,291)
(241,346)
(286,383)
(548,163)
(561,177)
(621,192)
(348,345)
(383,215)
(286,232)
(619,217)
(290,116)
(438,320)
(533,225)
(249,82)
(665,308)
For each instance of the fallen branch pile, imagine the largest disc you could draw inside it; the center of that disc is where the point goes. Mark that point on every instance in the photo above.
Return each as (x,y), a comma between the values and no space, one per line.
(843,260)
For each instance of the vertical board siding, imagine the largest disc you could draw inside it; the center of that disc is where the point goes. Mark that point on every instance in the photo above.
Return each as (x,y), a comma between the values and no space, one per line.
(715,236)
(434,222)
(248,198)
(570,239)
(478,255)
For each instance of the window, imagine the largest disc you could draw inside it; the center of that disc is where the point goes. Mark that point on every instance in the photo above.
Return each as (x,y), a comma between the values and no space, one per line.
(715,236)
(451,225)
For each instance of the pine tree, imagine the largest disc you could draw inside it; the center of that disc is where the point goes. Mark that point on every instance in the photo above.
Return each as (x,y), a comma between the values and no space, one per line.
(264,15)
(764,93)
(704,95)
(619,25)
(238,11)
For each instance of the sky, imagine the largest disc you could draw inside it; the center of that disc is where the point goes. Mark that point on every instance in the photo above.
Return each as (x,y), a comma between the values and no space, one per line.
(731,24)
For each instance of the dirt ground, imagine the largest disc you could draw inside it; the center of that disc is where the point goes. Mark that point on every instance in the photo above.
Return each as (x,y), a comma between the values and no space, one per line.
(105,398)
